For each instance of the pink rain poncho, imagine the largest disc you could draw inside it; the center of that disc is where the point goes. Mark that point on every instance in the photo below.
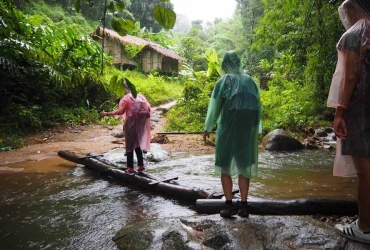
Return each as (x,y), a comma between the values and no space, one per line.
(236,108)
(350,87)
(136,114)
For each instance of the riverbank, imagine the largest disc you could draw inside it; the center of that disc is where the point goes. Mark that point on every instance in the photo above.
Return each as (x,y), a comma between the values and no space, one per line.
(95,138)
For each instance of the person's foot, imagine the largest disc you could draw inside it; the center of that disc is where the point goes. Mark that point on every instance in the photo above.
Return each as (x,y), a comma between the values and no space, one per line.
(141,169)
(130,171)
(229,211)
(243,211)
(353,232)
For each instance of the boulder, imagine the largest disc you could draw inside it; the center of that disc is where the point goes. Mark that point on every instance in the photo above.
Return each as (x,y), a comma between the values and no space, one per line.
(214,232)
(280,140)
(321,132)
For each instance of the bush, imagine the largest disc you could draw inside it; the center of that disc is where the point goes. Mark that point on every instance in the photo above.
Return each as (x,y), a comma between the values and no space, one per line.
(190,112)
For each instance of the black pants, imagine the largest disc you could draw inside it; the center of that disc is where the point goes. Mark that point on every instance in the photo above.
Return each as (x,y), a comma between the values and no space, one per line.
(139,156)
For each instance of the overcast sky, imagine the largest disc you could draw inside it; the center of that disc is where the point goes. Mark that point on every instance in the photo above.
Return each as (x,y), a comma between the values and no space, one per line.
(206,10)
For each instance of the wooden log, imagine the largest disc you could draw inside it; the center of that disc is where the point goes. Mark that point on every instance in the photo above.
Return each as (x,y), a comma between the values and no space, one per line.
(221,194)
(308,206)
(140,180)
(90,156)
(164,180)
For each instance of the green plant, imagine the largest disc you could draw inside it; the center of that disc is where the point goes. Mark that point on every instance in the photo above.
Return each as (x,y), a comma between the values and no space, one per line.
(111,121)
(132,50)
(190,112)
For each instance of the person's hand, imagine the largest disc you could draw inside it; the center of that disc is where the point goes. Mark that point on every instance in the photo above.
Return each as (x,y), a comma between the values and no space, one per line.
(340,127)
(205,135)
(103,113)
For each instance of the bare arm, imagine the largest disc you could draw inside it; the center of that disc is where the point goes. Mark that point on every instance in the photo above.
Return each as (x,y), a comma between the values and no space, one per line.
(351,62)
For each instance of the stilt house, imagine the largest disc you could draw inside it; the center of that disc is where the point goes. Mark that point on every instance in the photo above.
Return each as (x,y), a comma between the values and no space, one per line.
(152,56)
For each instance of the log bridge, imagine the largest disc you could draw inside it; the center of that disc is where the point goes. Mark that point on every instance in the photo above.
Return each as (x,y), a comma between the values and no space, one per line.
(211,203)
(142,180)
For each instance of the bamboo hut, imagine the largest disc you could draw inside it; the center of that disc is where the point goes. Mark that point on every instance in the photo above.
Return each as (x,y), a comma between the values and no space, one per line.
(150,56)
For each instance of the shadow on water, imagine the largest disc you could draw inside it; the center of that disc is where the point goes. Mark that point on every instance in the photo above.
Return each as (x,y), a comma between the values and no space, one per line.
(57,205)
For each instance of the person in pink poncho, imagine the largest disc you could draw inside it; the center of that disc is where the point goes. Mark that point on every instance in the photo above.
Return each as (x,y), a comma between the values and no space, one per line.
(350,96)
(136,113)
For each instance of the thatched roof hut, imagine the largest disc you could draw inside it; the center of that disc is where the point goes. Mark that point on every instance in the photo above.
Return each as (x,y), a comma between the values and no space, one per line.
(151,56)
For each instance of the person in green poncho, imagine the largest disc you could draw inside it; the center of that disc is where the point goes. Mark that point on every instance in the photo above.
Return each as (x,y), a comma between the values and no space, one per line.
(236,108)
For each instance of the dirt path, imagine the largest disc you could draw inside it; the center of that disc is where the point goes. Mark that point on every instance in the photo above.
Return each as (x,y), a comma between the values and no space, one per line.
(94,139)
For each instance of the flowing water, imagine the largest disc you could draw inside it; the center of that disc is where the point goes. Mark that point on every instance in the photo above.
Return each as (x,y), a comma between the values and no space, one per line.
(54,204)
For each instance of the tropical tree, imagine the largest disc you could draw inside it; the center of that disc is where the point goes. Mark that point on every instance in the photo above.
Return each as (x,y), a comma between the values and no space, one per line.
(162,13)
(301,36)
(42,63)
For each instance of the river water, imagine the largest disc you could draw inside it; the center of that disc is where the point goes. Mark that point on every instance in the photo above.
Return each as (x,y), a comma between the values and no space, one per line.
(54,204)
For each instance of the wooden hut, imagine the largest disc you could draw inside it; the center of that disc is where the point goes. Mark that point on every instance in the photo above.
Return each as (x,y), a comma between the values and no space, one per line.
(152,56)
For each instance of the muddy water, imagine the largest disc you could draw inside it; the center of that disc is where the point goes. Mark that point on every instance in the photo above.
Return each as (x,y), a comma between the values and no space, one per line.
(54,204)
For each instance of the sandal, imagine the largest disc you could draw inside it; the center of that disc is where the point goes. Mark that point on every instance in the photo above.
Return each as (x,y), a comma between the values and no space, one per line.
(353,232)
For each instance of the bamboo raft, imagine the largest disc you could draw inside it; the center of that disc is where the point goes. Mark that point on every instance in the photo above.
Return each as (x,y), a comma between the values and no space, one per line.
(211,202)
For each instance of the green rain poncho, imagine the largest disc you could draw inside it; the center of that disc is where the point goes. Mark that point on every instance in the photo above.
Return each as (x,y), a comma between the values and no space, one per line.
(236,108)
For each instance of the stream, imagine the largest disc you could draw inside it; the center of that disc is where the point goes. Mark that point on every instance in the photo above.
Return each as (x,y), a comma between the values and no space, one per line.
(70,207)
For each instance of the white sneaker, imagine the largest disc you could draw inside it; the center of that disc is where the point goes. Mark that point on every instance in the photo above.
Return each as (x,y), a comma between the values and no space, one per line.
(352,231)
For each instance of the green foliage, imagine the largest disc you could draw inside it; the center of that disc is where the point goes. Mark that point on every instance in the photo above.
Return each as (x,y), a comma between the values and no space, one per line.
(213,63)
(143,11)
(110,121)
(121,17)
(164,16)
(157,89)
(190,112)
(9,140)
(133,50)
(192,49)
(51,73)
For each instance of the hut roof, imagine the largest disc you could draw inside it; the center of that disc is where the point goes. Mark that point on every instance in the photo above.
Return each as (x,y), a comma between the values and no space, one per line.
(127,39)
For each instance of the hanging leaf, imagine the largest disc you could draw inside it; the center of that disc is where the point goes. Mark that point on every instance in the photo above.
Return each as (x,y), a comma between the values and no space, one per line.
(122,25)
(131,87)
(113,80)
(111,7)
(120,5)
(117,85)
(78,5)
(164,16)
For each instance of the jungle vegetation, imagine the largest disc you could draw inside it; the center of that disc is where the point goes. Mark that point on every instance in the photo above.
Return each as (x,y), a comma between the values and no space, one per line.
(51,71)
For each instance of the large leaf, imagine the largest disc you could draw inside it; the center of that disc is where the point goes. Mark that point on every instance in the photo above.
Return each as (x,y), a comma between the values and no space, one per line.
(164,16)
(116,84)
(131,87)
(122,25)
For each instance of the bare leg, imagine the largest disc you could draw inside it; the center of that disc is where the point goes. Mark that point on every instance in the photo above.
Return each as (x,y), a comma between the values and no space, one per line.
(227,186)
(363,196)
(244,187)
(363,192)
